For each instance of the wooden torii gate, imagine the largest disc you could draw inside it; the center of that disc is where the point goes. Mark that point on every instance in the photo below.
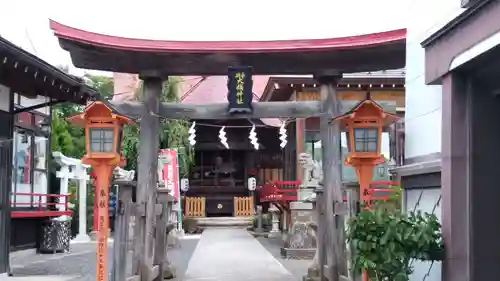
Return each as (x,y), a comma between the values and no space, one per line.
(154,61)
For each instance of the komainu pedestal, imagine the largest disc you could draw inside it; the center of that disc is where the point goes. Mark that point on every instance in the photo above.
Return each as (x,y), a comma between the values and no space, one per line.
(301,241)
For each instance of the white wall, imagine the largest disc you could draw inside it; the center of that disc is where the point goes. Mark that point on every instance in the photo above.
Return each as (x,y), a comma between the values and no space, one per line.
(4,98)
(426,200)
(25,102)
(423,103)
(423,109)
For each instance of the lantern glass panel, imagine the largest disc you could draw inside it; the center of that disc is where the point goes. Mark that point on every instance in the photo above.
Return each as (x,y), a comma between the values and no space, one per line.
(365,139)
(101,139)
(348,141)
(120,140)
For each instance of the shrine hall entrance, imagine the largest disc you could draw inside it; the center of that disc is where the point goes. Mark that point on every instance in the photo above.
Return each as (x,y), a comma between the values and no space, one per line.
(218,177)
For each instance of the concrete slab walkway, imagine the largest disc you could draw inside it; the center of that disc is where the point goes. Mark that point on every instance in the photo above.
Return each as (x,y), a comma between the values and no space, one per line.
(228,254)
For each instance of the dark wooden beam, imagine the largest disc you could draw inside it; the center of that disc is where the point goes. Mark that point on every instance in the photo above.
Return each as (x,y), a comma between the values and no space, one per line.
(232,145)
(302,109)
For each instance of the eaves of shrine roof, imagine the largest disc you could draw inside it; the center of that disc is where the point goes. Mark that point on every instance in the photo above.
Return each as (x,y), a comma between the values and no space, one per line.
(391,73)
(392,76)
(368,52)
(30,76)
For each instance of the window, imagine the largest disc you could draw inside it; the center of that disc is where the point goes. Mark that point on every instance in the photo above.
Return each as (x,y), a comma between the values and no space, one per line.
(22,157)
(22,170)
(101,139)
(30,148)
(313,144)
(313,148)
(40,147)
(29,168)
(365,139)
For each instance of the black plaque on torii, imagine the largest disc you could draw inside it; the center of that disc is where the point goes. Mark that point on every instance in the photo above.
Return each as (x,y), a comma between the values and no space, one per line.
(239,89)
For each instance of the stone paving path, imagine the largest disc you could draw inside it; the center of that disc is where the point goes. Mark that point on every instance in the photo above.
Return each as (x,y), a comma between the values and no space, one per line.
(228,254)
(79,264)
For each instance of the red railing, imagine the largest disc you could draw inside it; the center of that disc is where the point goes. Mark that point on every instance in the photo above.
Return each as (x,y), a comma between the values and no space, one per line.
(287,191)
(279,191)
(382,193)
(38,207)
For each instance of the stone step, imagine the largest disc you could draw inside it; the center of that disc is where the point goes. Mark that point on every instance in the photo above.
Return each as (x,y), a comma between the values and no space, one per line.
(307,278)
(238,222)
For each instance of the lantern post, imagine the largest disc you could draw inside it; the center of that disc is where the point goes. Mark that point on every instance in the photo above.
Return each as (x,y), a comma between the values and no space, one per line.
(364,124)
(103,137)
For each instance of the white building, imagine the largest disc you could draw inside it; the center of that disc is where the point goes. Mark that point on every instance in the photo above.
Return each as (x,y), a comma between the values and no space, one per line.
(28,87)
(450,162)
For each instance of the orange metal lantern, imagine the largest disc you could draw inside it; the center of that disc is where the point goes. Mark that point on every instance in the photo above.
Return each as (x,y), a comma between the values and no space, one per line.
(103,137)
(364,124)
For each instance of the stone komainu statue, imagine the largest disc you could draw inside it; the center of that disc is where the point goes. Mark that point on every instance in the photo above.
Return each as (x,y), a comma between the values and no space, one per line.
(122,174)
(312,177)
(312,174)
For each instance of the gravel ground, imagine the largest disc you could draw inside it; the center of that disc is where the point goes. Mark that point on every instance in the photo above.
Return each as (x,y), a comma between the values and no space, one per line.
(79,264)
(298,268)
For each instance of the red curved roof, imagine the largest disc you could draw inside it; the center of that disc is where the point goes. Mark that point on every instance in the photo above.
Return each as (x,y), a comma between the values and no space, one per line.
(145,45)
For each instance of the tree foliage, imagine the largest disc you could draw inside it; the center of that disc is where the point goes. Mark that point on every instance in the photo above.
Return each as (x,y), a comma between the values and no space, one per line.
(66,137)
(173,133)
(70,139)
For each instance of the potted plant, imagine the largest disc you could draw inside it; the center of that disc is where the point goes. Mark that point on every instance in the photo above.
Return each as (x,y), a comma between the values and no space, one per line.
(385,241)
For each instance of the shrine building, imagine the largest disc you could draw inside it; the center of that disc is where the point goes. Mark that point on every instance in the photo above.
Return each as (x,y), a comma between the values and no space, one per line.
(28,88)
(220,174)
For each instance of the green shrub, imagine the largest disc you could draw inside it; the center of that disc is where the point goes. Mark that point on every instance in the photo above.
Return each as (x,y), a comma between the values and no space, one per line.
(386,241)
(266,221)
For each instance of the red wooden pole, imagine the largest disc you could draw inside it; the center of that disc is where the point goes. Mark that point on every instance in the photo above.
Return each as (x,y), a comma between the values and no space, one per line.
(95,224)
(95,219)
(103,173)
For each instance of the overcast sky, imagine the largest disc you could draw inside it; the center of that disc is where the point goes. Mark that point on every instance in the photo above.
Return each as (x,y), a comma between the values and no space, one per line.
(26,22)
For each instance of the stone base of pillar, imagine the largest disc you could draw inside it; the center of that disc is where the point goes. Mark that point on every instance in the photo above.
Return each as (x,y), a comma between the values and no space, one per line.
(312,275)
(93,236)
(168,271)
(301,240)
(82,238)
(274,234)
(174,238)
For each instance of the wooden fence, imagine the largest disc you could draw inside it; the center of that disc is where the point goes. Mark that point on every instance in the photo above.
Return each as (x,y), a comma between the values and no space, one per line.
(243,206)
(195,207)
(270,175)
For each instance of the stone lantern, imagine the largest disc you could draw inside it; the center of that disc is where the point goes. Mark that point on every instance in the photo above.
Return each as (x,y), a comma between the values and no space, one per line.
(103,138)
(364,125)
(275,217)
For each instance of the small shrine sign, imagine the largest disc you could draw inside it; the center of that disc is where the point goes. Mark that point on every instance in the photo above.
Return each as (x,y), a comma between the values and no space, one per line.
(239,87)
